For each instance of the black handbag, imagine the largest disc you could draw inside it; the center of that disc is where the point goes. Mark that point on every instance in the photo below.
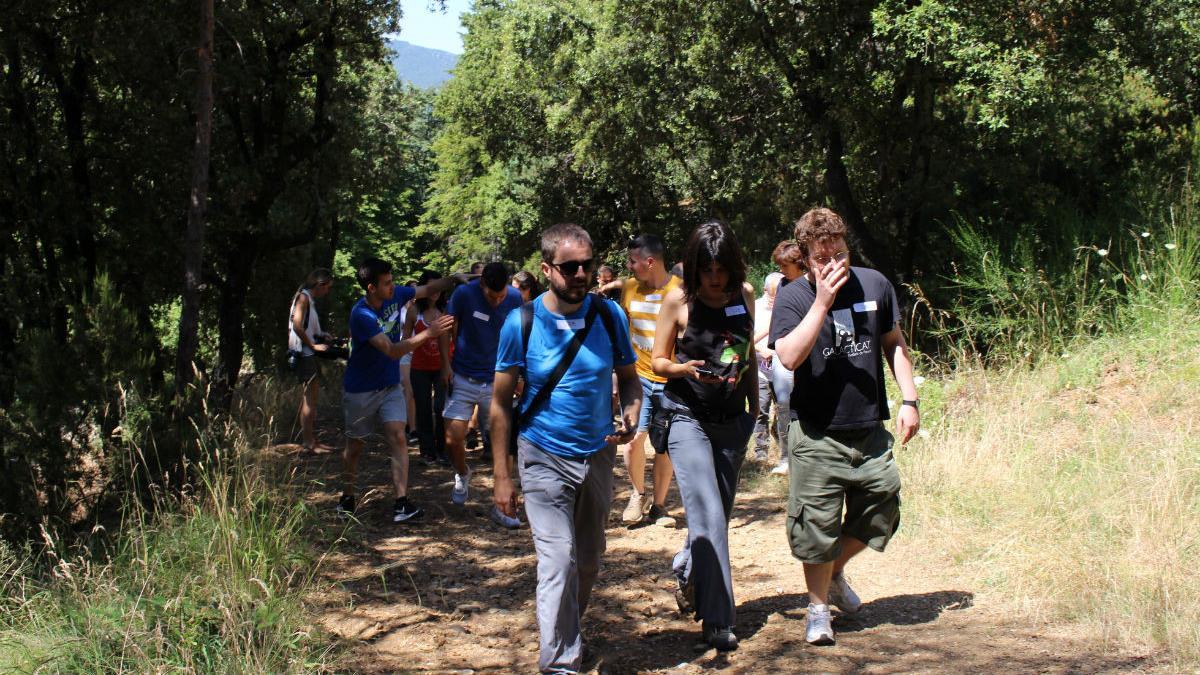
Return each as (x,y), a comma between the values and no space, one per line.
(660,425)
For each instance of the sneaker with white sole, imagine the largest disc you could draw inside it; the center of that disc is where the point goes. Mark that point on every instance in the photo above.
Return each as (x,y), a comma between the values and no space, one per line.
(406,511)
(819,630)
(462,487)
(504,520)
(345,507)
(633,510)
(659,516)
(781,469)
(843,596)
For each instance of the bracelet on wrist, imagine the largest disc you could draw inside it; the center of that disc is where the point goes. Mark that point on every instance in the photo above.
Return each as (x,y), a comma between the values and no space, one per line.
(915,403)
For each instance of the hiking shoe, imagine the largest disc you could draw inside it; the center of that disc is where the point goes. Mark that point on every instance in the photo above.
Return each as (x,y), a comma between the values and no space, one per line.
(719,637)
(406,511)
(685,598)
(819,630)
(781,469)
(633,510)
(659,516)
(504,520)
(345,506)
(462,487)
(843,596)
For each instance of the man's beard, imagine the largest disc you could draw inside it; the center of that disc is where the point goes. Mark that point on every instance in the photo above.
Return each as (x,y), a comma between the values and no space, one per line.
(569,294)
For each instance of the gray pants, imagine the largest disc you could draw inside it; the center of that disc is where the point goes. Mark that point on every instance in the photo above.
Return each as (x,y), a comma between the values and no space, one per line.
(567,501)
(782,380)
(707,457)
(762,424)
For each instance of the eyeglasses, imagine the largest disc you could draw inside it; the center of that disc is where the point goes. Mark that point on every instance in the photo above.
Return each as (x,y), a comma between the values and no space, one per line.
(839,257)
(570,268)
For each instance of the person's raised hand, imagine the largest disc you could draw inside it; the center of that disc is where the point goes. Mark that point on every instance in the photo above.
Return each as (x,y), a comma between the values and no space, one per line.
(830,280)
(441,325)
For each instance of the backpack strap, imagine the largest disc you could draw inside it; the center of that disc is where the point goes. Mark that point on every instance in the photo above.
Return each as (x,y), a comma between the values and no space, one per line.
(606,316)
(526,326)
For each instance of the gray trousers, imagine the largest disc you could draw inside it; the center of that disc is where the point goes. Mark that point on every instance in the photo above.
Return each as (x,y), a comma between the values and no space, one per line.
(762,424)
(707,457)
(567,502)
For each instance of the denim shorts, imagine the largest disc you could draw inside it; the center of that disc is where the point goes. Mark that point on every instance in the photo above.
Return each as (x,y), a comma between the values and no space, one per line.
(651,398)
(363,408)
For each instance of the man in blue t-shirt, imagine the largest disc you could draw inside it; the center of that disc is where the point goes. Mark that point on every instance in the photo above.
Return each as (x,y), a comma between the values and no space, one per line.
(567,446)
(478,309)
(371,386)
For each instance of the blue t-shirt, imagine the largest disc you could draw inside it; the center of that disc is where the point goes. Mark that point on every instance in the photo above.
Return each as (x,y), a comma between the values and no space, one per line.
(574,422)
(368,368)
(478,329)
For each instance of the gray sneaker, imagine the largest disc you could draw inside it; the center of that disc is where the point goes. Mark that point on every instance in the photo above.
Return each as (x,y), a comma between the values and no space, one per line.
(843,596)
(781,469)
(820,629)
(462,487)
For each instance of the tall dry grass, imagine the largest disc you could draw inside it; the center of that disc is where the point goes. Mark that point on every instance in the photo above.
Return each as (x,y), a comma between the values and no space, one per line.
(1074,484)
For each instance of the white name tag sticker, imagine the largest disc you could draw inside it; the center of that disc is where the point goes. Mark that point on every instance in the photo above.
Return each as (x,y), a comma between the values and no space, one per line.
(736,310)
(570,324)
(868,306)
(481,316)
(654,297)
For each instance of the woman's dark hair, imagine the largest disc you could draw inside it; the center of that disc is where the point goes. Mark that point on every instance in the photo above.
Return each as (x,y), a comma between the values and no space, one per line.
(712,242)
(422,304)
(527,282)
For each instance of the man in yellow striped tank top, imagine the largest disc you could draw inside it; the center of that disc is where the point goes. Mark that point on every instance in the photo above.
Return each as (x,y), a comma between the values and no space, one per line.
(641,298)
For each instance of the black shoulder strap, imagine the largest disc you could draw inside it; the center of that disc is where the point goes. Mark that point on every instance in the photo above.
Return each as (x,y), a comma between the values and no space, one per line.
(609,325)
(572,349)
(526,325)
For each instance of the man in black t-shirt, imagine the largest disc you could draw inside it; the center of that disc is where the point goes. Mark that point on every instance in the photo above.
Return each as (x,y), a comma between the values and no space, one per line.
(834,327)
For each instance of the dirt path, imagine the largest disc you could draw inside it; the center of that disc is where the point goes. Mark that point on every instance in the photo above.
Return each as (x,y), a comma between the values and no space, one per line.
(455,594)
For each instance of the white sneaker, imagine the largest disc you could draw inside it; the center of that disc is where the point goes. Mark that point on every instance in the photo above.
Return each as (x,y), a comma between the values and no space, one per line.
(781,469)
(462,487)
(504,520)
(819,630)
(843,596)
(633,510)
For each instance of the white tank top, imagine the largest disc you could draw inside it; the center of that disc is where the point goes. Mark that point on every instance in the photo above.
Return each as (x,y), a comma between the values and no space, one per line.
(313,328)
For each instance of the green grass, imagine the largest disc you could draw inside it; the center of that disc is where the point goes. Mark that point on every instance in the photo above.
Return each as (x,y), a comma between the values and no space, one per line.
(1070,481)
(212,581)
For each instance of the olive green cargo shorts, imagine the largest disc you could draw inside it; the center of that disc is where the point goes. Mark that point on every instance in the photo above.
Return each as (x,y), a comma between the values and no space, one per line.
(829,470)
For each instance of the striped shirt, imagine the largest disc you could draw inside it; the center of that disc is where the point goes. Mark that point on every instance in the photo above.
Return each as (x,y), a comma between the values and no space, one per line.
(642,303)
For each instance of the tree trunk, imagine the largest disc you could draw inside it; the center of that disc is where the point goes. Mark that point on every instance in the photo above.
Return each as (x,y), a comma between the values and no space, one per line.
(231,311)
(193,241)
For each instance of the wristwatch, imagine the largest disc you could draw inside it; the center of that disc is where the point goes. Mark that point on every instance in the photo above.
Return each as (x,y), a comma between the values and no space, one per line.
(915,403)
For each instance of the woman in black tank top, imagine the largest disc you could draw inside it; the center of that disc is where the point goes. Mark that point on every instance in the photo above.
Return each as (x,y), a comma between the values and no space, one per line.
(704,346)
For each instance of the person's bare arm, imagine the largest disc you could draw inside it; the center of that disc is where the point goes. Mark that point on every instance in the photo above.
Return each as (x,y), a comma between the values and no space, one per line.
(671,317)
(908,419)
(614,285)
(299,311)
(503,493)
(748,299)
(395,350)
(793,348)
(442,285)
(629,387)
(410,322)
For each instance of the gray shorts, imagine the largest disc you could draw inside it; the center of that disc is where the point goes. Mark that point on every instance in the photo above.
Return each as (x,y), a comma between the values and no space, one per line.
(466,393)
(363,408)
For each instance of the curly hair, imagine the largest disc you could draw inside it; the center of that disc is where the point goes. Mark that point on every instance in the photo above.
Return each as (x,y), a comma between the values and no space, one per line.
(819,223)
(788,251)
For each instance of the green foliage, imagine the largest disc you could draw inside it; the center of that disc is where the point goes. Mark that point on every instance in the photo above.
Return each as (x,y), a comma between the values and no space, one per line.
(210,581)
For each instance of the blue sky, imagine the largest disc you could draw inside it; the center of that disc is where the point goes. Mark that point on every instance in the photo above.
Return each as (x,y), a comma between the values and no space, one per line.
(434,29)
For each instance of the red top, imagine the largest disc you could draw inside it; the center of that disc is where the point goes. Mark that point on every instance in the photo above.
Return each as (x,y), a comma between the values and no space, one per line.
(428,356)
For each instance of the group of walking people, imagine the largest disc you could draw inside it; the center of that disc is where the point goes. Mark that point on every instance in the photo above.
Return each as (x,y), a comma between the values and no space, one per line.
(693,364)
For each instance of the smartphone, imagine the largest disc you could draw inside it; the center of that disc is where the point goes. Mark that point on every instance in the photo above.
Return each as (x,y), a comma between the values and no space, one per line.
(706,371)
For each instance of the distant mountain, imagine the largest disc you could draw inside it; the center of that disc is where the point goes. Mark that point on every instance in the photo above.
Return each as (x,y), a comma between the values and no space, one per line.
(421,66)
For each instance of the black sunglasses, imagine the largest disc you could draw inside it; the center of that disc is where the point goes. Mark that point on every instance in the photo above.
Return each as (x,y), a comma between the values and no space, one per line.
(571,267)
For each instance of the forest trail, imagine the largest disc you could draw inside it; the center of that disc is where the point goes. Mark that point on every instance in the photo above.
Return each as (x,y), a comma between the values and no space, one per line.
(454,593)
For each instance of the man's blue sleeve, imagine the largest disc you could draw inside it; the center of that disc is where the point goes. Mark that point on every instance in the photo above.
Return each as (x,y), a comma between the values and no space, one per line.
(403,294)
(455,303)
(363,326)
(623,354)
(510,352)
